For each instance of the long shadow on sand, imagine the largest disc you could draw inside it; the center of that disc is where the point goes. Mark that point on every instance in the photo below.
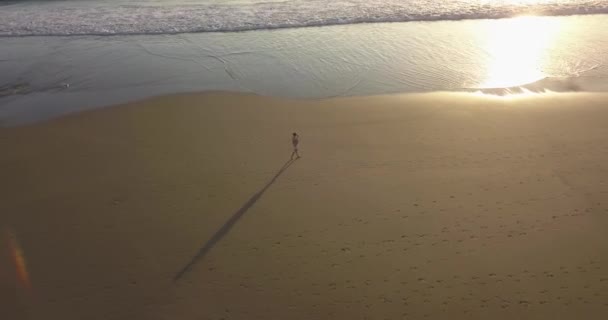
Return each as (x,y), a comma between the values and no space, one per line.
(231,222)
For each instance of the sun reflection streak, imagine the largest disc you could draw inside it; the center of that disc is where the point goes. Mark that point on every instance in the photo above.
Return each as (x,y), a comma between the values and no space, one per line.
(517,49)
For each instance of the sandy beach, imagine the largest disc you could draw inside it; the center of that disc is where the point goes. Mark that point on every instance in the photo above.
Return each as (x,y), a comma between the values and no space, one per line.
(422,206)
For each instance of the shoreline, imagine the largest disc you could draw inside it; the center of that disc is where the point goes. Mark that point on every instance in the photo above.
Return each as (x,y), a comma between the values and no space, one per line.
(505,95)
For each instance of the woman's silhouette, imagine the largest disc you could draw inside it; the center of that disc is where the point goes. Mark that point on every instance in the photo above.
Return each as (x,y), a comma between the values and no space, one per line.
(295,140)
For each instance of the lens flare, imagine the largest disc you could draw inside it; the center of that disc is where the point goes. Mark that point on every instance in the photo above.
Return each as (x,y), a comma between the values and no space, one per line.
(18,259)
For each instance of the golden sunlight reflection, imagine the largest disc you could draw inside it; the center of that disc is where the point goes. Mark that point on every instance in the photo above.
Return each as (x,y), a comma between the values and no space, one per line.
(517,49)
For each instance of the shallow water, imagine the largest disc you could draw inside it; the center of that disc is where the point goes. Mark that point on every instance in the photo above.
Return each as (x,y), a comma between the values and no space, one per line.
(42,77)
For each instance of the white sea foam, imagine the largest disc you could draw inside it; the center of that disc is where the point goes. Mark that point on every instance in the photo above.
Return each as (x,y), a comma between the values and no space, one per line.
(124,17)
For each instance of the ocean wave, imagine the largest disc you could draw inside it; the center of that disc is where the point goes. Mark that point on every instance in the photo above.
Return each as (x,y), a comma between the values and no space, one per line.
(128,17)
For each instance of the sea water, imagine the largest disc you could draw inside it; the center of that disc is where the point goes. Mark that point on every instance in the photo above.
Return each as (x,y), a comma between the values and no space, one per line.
(64,56)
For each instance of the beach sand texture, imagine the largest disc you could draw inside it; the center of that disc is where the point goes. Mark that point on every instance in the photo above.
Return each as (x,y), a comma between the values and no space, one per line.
(426,206)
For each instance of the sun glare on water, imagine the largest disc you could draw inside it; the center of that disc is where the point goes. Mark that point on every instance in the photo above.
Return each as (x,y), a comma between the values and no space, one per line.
(516,50)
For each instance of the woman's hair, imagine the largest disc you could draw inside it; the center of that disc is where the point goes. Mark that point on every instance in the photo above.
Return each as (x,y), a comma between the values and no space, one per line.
(295,134)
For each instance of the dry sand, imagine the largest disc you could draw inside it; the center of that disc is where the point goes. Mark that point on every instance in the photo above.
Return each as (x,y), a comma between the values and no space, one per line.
(433,206)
